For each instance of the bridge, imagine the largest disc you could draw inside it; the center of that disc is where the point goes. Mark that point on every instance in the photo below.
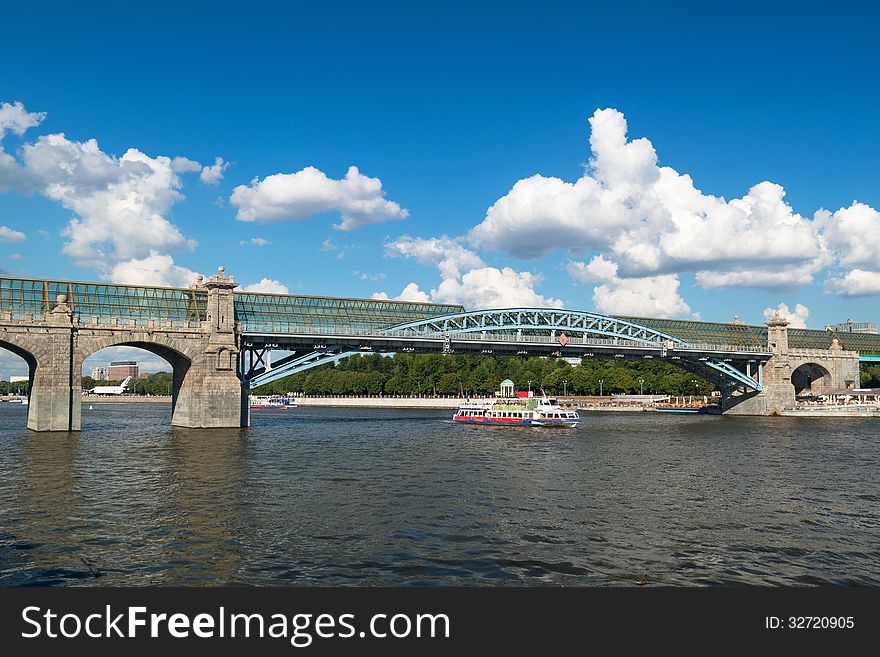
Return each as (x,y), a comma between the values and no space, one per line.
(220,343)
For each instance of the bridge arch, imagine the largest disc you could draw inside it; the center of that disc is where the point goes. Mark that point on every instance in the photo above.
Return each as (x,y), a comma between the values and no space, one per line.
(179,356)
(28,356)
(538,320)
(811,379)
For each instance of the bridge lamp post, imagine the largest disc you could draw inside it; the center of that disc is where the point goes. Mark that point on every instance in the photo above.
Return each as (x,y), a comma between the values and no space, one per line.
(641,386)
(601,381)
(565,388)
(530,388)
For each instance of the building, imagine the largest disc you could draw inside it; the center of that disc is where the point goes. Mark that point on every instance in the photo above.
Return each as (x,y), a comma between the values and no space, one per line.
(122,369)
(99,373)
(19,379)
(855,327)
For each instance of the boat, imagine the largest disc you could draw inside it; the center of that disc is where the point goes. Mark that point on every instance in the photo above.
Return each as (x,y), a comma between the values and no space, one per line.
(272,403)
(543,412)
(703,410)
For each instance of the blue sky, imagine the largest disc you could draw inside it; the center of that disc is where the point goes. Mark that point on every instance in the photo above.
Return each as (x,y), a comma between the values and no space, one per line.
(443,109)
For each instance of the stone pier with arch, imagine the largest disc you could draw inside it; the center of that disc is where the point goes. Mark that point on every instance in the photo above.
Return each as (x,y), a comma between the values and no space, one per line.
(791,372)
(206,390)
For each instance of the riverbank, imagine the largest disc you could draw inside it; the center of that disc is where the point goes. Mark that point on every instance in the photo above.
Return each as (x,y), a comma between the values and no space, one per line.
(849,411)
(126,399)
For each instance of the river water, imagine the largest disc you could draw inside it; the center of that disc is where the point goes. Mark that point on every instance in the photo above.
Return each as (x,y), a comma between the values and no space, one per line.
(384,497)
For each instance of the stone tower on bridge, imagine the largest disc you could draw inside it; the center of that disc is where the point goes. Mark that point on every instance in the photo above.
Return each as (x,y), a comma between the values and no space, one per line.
(206,391)
(791,372)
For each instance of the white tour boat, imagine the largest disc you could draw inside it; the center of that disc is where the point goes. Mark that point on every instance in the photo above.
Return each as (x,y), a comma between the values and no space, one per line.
(536,412)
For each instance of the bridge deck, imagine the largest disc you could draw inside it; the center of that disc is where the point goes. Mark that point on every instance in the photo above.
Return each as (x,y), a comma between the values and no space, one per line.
(103,303)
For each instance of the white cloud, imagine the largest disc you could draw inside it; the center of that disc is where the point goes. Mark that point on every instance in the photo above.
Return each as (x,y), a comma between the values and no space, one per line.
(185,165)
(267,285)
(767,279)
(466,279)
(445,253)
(855,283)
(120,204)
(652,220)
(155,269)
(647,296)
(9,235)
(410,293)
(796,318)
(255,241)
(489,287)
(213,174)
(364,276)
(294,196)
(853,234)
(16,119)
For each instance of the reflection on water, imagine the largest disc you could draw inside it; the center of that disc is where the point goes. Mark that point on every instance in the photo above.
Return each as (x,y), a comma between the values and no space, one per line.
(362,496)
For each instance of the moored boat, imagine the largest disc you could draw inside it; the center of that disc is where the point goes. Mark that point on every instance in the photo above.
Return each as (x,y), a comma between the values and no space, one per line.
(273,403)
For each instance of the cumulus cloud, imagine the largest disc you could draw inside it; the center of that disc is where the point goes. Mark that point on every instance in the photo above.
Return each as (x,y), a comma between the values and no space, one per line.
(466,279)
(855,283)
(16,119)
(255,241)
(648,296)
(294,196)
(267,285)
(9,235)
(853,234)
(213,174)
(410,293)
(652,220)
(796,318)
(120,205)
(445,253)
(155,269)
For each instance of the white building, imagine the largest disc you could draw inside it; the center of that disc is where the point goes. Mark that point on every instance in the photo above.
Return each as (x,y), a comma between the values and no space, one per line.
(99,373)
(19,379)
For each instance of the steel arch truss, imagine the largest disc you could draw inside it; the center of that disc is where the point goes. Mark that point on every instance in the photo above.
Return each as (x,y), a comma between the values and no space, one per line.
(533,319)
(585,323)
(264,371)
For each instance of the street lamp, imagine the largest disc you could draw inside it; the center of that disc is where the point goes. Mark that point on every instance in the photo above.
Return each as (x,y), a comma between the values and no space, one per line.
(601,381)
(530,388)
(641,386)
(565,388)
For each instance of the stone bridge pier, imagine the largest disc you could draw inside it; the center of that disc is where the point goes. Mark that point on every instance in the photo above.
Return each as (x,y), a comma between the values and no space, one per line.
(791,372)
(206,390)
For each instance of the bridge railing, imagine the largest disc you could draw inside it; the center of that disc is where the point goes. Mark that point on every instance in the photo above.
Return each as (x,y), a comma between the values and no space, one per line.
(511,337)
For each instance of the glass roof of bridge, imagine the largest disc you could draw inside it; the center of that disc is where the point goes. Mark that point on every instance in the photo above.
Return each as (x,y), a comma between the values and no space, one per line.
(745,335)
(99,303)
(282,313)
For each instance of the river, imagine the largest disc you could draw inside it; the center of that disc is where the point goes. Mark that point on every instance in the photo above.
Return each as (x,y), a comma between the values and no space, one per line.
(318,496)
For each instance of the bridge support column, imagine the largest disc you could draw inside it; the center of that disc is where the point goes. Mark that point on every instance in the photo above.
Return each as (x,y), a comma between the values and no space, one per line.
(209,397)
(55,400)
(208,393)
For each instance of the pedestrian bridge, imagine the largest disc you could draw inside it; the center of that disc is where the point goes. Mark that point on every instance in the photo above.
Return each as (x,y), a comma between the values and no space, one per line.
(220,342)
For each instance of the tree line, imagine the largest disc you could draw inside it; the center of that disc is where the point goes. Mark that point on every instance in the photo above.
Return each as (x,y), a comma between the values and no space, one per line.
(471,375)
(409,374)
